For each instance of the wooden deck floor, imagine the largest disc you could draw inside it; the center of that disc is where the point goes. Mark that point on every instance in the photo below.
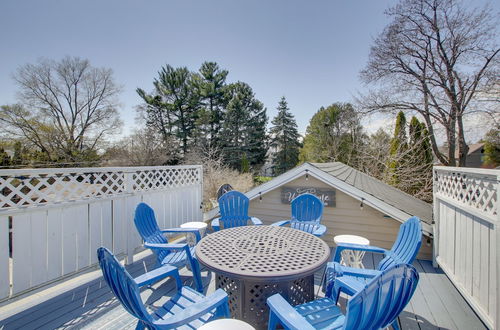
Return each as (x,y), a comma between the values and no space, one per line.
(436,303)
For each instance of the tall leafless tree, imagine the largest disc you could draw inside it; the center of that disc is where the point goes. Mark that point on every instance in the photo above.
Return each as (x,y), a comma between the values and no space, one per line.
(66,107)
(144,147)
(436,58)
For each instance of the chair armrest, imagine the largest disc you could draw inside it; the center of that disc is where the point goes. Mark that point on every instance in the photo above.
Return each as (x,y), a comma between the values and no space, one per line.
(215,224)
(319,231)
(338,270)
(281,223)
(335,272)
(167,246)
(289,317)
(256,221)
(348,285)
(195,231)
(357,247)
(159,274)
(195,311)
(359,272)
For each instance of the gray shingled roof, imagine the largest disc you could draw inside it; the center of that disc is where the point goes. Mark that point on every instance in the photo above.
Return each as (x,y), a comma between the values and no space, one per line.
(379,190)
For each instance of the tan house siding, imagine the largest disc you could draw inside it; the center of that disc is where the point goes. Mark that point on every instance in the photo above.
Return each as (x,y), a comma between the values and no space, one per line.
(345,218)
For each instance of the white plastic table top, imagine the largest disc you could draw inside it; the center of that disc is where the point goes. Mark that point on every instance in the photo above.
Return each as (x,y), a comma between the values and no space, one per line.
(351,239)
(194,225)
(226,324)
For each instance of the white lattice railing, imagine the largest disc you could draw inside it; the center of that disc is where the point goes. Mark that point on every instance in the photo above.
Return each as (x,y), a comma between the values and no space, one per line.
(467,235)
(48,186)
(53,220)
(473,188)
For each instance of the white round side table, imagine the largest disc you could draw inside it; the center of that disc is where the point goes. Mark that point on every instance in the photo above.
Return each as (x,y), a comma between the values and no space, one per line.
(190,237)
(352,258)
(226,324)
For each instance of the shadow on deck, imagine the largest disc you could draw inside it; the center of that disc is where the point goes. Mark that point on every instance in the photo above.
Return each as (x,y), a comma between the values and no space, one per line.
(435,304)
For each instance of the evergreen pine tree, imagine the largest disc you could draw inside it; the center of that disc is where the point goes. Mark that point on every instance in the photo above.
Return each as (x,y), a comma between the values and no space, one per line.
(172,109)
(4,158)
(426,145)
(245,165)
(285,138)
(17,158)
(212,90)
(418,160)
(397,149)
(244,127)
(257,136)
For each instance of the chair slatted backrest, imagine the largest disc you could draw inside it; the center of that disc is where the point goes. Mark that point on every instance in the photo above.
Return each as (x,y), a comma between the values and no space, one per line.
(307,207)
(307,226)
(233,207)
(145,222)
(383,299)
(407,244)
(223,189)
(122,285)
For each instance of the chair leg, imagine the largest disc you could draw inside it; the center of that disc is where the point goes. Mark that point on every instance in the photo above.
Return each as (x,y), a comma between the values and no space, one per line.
(395,324)
(140,326)
(195,268)
(335,293)
(223,310)
(322,285)
(273,321)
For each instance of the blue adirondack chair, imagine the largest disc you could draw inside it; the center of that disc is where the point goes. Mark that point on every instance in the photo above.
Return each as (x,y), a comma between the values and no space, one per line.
(375,306)
(186,307)
(351,280)
(233,206)
(307,210)
(177,255)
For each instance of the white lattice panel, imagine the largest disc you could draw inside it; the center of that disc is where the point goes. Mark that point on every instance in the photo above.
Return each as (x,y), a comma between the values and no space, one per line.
(51,242)
(467,235)
(23,188)
(474,190)
(152,179)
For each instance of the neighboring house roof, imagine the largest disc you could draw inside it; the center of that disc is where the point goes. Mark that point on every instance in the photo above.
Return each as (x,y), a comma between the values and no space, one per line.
(472,148)
(377,194)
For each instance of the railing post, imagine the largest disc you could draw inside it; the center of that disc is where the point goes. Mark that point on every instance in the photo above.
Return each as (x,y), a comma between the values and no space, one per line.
(497,251)
(200,173)
(128,189)
(435,220)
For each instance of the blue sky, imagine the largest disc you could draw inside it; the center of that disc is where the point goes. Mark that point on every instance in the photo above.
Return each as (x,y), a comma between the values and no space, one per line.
(308,51)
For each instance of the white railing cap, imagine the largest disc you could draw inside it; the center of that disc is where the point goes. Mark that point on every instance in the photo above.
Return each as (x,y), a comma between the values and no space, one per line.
(470,170)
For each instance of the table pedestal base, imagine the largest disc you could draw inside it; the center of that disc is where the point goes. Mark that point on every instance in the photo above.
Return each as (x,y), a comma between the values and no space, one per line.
(247,299)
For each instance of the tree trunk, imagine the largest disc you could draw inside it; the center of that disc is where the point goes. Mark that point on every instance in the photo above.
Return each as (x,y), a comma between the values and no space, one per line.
(426,114)
(450,134)
(463,149)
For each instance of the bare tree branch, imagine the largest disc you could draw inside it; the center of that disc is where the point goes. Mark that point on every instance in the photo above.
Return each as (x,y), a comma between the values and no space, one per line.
(70,106)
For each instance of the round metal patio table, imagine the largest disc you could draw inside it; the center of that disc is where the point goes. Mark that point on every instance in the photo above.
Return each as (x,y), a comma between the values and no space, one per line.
(252,263)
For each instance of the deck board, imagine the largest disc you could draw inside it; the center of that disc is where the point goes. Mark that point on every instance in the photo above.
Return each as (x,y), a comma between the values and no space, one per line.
(433,300)
(457,307)
(435,304)
(78,299)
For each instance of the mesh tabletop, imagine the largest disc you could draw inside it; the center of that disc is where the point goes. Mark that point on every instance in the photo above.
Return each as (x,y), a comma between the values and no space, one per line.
(262,252)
